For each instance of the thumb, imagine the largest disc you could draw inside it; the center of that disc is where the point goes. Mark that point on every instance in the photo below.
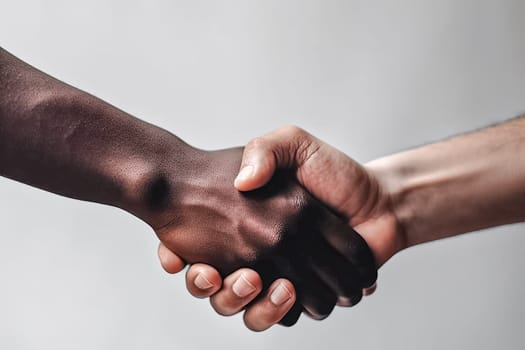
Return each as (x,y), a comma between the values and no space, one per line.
(257,166)
(287,147)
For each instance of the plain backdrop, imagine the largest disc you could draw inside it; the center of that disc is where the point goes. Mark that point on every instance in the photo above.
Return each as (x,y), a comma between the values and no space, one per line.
(369,77)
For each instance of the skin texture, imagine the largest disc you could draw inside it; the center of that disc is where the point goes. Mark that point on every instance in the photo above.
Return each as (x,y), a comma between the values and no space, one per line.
(60,139)
(349,189)
(279,230)
(475,181)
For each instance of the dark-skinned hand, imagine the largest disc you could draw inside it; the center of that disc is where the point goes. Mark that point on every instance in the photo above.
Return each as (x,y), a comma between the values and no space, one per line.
(353,191)
(279,230)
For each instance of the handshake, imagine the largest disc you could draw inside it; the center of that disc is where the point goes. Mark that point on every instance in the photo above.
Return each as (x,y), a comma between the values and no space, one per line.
(284,230)
(291,224)
(288,227)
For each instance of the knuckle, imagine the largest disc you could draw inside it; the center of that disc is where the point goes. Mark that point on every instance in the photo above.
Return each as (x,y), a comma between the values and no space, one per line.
(293,314)
(370,277)
(256,144)
(356,299)
(292,131)
(302,199)
(320,311)
(365,263)
(274,235)
(299,202)
(249,254)
(277,234)
(370,290)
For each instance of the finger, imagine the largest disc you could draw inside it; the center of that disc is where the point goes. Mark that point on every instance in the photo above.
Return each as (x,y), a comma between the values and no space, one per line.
(169,261)
(238,289)
(292,316)
(353,247)
(270,271)
(370,290)
(336,272)
(203,280)
(270,309)
(286,147)
(313,294)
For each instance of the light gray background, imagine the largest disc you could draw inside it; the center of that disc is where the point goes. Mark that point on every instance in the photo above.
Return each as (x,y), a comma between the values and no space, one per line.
(370,77)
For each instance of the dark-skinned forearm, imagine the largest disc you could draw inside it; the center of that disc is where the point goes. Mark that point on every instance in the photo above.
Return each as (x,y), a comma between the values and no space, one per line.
(63,140)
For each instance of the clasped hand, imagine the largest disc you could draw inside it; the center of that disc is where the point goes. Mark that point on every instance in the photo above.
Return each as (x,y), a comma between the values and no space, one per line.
(286,227)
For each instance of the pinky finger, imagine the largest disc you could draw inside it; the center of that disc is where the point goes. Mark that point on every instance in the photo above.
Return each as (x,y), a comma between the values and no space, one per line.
(370,290)
(269,310)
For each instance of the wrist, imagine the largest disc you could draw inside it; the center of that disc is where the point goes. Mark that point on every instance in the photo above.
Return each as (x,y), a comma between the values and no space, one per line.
(463,184)
(398,176)
(143,162)
(392,179)
(152,183)
(384,230)
(425,186)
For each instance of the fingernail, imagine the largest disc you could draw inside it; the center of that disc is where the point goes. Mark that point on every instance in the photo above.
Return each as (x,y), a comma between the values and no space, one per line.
(280,295)
(242,287)
(244,174)
(202,282)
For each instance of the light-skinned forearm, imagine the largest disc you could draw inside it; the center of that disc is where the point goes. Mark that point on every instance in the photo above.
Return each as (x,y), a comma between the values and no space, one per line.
(466,183)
